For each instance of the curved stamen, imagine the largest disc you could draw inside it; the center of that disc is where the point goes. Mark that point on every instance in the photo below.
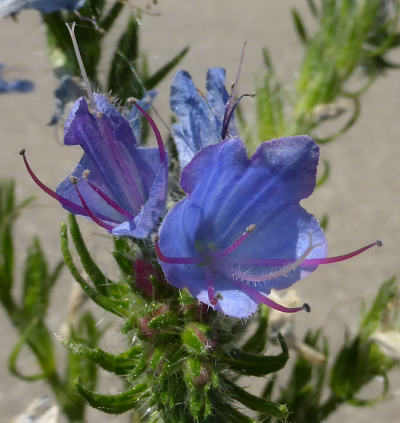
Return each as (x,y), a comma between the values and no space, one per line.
(281,272)
(160,143)
(236,244)
(210,286)
(89,212)
(176,260)
(228,120)
(307,262)
(64,201)
(110,201)
(260,298)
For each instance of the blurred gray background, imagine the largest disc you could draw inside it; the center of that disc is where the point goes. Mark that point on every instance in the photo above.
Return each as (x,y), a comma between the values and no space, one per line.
(361,197)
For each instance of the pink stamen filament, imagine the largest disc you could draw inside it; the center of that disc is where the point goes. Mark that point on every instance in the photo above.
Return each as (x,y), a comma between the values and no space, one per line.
(260,298)
(64,201)
(210,286)
(110,201)
(307,262)
(176,260)
(236,244)
(160,143)
(89,212)
(281,272)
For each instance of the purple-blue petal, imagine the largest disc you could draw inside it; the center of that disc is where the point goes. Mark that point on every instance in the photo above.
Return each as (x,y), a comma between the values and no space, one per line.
(19,85)
(8,7)
(199,119)
(134,116)
(142,225)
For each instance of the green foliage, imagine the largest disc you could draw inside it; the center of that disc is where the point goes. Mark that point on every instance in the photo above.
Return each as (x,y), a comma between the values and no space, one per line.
(128,75)
(351,42)
(357,363)
(28,314)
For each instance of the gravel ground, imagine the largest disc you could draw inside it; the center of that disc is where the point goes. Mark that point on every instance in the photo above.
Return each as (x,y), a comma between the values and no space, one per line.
(361,197)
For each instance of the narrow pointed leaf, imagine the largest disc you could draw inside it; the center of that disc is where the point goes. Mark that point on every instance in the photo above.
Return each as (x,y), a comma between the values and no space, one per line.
(107,22)
(300,29)
(255,403)
(257,342)
(115,404)
(96,275)
(117,307)
(257,365)
(118,364)
(14,356)
(158,76)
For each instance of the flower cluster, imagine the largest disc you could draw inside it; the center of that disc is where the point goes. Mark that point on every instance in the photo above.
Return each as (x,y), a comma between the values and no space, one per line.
(239,232)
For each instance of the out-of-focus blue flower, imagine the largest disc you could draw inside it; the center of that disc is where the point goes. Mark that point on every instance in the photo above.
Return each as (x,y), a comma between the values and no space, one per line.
(241,231)
(9,7)
(68,91)
(117,183)
(19,85)
(200,118)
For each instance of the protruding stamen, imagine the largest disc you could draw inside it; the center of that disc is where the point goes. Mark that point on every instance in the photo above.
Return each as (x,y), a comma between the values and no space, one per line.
(228,119)
(89,212)
(281,272)
(176,260)
(210,287)
(236,244)
(109,200)
(235,85)
(71,29)
(160,143)
(260,298)
(64,201)
(311,262)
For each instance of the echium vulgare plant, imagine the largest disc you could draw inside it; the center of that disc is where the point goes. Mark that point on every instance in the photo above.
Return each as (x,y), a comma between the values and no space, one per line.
(187,284)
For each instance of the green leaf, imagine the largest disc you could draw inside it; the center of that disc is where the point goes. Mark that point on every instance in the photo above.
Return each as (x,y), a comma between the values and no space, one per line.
(13,359)
(114,306)
(158,76)
(100,281)
(36,289)
(118,364)
(262,405)
(356,364)
(123,79)
(371,320)
(107,22)
(325,176)
(256,365)
(299,26)
(116,404)
(257,342)
(124,255)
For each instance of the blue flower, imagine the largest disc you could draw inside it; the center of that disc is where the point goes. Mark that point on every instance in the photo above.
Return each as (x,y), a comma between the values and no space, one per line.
(9,7)
(20,85)
(241,231)
(117,183)
(200,118)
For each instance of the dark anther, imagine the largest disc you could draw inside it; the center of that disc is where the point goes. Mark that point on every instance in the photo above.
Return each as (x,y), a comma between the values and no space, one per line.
(22,151)
(306,307)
